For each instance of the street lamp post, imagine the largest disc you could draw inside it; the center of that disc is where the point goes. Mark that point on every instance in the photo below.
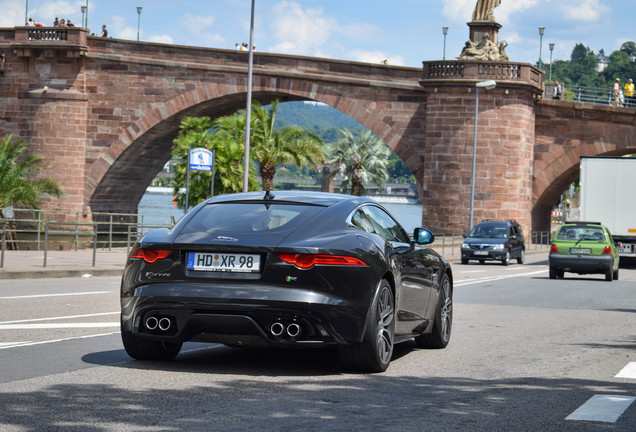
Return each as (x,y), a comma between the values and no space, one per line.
(86,23)
(248,110)
(541,30)
(26,12)
(83,8)
(139,8)
(487,85)
(445,31)
(551,49)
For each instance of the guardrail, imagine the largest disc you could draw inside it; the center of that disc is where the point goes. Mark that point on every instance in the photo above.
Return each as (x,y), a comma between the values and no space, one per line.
(595,95)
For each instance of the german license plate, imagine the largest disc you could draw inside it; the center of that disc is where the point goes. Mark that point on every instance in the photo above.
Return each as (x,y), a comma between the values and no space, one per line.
(481,252)
(580,251)
(224,262)
(626,248)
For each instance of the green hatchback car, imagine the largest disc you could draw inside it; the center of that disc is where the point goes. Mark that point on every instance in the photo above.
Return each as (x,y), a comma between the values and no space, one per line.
(583,248)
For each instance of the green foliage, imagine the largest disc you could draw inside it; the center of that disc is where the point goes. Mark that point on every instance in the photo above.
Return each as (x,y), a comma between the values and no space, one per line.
(272,147)
(360,159)
(227,142)
(581,69)
(17,185)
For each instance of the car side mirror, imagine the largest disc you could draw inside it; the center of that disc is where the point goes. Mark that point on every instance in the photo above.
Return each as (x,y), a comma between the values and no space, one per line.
(423,236)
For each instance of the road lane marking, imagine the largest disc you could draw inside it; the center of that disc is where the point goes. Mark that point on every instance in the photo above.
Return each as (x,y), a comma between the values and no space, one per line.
(57,326)
(494,278)
(469,271)
(55,295)
(628,371)
(24,344)
(602,408)
(59,318)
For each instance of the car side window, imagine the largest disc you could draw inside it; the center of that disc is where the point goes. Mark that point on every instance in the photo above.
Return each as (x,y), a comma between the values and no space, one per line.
(361,220)
(384,225)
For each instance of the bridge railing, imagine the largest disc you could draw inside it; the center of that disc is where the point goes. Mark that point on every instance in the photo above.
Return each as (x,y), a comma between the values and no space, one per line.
(522,73)
(596,95)
(46,37)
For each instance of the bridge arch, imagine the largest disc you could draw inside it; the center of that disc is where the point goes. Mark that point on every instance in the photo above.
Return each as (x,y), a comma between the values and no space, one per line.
(121,174)
(565,131)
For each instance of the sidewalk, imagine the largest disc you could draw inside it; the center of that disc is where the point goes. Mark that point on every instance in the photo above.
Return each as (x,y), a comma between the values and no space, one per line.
(30,264)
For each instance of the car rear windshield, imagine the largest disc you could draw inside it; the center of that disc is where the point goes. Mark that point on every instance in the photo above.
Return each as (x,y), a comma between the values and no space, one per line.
(583,232)
(251,218)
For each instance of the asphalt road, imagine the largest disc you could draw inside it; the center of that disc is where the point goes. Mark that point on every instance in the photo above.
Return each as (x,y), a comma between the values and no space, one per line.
(526,353)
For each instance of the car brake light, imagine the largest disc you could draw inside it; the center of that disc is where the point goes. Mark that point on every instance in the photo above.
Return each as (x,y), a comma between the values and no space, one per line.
(305,261)
(150,255)
(607,250)
(554,248)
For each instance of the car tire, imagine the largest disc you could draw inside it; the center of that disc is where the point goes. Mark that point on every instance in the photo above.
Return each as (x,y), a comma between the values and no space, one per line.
(464,260)
(482,261)
(616,275)
(560,274)
(506,258)
(440,336)
(374,353)
(609,274)
(522,257)
(553,272)
(141,348)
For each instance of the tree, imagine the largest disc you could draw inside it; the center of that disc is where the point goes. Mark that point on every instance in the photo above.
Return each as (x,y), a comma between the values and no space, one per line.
(226,141)
(271,147)
(629,48)
(361,160)
(18,186)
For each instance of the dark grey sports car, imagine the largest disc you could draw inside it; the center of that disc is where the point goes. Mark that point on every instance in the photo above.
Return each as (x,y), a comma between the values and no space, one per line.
(286,269)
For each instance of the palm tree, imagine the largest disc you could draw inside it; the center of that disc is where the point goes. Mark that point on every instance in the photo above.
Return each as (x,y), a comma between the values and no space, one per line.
(272,147)
(17,185)
(225,137)
(360,159)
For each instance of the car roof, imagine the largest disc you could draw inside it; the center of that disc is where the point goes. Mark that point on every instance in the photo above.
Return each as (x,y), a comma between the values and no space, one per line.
(305,197)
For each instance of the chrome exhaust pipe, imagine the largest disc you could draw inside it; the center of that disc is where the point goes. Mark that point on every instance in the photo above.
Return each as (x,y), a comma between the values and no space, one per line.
(277,329)
(151,323)
(164,324)
(293,330)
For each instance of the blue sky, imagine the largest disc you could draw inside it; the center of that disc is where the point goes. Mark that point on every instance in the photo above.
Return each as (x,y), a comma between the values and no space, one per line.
(405,32)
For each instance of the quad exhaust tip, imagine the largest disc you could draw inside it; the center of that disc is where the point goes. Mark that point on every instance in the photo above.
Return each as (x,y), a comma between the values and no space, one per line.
(277,329)
(154,323)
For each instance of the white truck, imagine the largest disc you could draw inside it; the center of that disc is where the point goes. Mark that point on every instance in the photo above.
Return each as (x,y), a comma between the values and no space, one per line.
(608,196)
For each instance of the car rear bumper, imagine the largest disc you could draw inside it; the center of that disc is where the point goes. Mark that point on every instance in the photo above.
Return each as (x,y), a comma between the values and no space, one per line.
(249,314)
(581,264)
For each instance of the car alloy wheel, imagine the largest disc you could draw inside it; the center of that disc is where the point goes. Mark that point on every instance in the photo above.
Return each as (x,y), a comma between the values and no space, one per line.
(374,353)
(440,335)
(506,258)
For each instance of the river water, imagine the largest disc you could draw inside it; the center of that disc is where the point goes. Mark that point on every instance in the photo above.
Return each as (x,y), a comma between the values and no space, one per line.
(157,208)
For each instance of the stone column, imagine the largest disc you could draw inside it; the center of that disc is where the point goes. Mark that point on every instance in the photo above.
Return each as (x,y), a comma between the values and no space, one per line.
(505,142)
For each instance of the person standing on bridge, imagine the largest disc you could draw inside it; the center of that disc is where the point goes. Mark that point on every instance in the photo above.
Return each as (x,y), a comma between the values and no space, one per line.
(104,31)
(629,94)
(617,92)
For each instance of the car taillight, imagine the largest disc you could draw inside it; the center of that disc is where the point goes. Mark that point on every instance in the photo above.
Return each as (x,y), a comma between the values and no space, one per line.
(554,248)
(607,250)
(305,261)
(150,255)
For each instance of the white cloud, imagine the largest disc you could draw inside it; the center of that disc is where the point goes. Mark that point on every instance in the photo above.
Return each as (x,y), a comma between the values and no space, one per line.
(583,10)
(12,13)
(165,39)
(298,31)
(119,29)
(375,57)
(195,23)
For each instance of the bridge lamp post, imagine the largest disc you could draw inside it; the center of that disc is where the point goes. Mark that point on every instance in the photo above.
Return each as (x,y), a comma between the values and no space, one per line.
(86,23)
(488,85)
(83,8)
(26,13)
(139,8)
(248,109)
(541,31)
(445,31)
(551,49)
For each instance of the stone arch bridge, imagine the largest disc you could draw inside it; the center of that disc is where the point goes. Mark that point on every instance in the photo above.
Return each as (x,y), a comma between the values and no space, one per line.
(104,113)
